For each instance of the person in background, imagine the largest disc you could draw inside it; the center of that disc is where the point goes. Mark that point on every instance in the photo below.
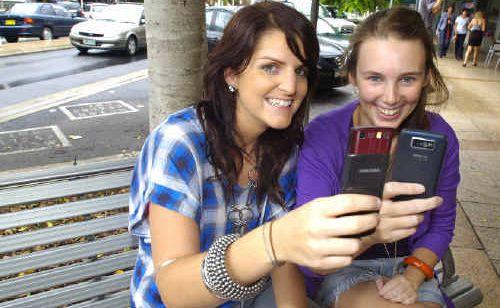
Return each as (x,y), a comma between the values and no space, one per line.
(461,23)
(477,26)
(391,63)
(427,9)
(213,183)
(444,30)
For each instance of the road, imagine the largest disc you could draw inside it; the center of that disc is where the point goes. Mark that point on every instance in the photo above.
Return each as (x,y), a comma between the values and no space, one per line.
(62,107)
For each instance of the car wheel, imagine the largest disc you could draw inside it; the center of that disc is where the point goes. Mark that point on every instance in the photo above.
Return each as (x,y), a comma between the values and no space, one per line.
(82,50)
(47,34)
(12,39)
(131,47)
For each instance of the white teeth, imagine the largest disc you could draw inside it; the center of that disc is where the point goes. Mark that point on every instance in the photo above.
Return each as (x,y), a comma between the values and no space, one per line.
(279,102)
(388,112)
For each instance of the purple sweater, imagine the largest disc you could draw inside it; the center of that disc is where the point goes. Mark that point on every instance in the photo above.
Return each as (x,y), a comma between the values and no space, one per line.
(320,168)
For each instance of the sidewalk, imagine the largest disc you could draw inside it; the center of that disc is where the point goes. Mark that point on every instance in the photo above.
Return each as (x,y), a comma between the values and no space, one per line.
(474,112)
(8,49)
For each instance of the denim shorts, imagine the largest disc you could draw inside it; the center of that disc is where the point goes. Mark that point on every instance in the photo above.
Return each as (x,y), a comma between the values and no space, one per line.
(370,270)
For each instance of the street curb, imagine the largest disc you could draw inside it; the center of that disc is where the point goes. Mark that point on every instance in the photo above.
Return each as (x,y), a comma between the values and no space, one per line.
(5,52)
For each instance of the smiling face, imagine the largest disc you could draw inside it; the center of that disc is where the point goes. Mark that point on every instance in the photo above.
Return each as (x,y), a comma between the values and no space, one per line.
(390,75)
(271,88)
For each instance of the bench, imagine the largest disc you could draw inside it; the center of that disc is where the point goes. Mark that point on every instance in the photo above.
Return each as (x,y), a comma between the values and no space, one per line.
(58,250)
(89,262)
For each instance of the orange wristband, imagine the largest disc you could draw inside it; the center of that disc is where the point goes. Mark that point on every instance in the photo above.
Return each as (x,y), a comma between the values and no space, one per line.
(421,265)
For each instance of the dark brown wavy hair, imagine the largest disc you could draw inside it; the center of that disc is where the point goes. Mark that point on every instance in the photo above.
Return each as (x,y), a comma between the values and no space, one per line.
(217,109)
(405,24)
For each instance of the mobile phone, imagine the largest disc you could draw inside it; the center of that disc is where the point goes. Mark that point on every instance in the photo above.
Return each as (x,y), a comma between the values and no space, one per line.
(365,164)
(418,159)
(366,161)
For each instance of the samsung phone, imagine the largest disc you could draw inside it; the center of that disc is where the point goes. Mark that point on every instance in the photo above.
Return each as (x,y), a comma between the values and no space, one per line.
(418,159)
(366,161)
(365,164)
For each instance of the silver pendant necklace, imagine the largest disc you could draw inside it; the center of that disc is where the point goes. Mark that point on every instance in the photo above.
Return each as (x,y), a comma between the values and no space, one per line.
(241,214)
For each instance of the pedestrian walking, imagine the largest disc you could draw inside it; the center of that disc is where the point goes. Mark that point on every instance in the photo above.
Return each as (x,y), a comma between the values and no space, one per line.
(461,23)
(427,9)
(444,30)
(477,26)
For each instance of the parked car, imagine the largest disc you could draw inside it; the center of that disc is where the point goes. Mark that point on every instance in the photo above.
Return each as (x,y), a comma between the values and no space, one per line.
(73,7)
(90,10)
(117,27)
(341,26)
(332,62)
(44,20)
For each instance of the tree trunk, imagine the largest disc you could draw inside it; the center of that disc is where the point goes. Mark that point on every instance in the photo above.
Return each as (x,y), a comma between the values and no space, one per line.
(177,47)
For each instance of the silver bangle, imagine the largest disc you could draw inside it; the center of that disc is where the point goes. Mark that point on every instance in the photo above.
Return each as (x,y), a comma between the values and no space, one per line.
(216,278)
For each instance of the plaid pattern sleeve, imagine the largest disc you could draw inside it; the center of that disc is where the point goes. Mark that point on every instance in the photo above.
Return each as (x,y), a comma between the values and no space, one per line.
(173,171)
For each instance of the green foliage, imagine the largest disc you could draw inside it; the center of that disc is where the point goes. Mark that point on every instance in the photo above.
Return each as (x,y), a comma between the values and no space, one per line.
(359,6)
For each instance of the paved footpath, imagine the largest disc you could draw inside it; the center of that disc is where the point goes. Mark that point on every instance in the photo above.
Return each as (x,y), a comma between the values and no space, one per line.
(474,112)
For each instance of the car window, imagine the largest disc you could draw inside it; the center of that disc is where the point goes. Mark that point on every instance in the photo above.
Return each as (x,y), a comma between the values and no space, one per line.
(221,20)
(60,11)
(324,28)
(208,19)
(47,9)
(24,8)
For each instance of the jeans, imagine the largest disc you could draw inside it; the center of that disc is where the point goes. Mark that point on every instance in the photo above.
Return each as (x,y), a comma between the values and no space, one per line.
(444,43)
(459,46)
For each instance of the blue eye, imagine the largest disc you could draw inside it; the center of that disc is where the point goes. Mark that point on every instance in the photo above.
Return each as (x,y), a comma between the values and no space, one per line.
(407,79)
(271,69)
(301,71)
(374,78)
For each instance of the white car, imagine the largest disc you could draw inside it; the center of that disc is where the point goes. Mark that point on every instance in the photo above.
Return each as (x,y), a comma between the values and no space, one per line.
(116,27)
(341,26)
(91,10)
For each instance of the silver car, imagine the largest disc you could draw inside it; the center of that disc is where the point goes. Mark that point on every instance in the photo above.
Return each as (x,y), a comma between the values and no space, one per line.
(116,27)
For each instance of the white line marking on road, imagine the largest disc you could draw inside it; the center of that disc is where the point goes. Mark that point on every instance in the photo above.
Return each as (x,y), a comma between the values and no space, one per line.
(53,100)
(55,129)
(67,110)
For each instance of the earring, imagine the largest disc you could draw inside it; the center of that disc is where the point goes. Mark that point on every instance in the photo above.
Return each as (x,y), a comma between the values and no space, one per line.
(355,90)
(231,88)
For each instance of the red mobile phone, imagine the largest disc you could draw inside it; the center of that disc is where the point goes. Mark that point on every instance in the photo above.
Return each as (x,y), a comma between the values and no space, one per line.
(365,163)
(370,140)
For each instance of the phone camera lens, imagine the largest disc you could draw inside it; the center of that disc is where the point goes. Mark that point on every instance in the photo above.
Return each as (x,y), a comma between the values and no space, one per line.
(362,135)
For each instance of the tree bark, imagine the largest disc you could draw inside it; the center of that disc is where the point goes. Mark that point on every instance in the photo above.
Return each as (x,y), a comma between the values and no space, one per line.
(177,48)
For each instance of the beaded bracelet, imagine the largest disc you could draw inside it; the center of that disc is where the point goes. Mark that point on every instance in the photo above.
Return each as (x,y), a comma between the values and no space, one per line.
(216,278)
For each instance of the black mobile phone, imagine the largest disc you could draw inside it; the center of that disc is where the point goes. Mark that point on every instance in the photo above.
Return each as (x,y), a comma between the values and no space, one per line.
(418,159)
(365,164)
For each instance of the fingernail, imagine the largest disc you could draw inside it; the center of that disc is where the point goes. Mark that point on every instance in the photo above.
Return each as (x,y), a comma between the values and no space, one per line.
(420,188)
(379,203)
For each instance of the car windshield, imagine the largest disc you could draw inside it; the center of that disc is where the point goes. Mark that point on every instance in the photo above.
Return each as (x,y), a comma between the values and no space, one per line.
(305,8)
(324,28)
(118,13)
(23,8)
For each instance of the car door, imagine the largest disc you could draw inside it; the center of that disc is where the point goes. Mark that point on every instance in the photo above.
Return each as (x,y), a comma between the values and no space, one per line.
(64,20)
(141,31)
(47,17)
(220,21)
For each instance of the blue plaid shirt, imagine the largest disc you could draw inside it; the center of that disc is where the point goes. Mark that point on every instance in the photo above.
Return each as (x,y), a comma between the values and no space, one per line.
(173,171)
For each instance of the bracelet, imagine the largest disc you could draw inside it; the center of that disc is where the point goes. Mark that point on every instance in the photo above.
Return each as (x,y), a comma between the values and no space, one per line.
(265,240)
(275,260)
(160,267)
(421,265)
(216,278)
